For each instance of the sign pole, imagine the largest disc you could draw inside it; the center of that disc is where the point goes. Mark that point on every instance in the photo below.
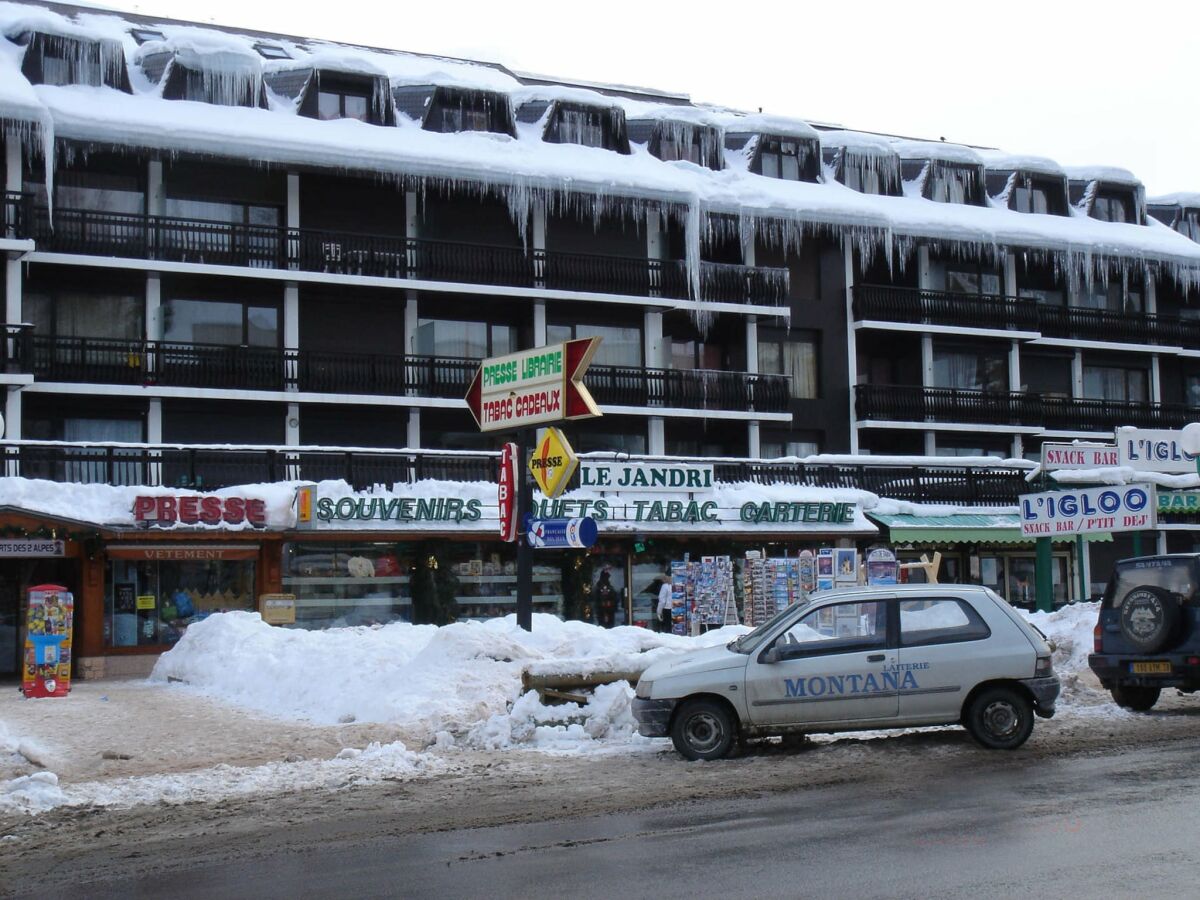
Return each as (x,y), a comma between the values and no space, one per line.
(525,439)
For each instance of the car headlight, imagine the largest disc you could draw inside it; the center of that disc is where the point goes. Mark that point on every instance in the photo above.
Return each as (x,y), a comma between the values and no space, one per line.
(644,688)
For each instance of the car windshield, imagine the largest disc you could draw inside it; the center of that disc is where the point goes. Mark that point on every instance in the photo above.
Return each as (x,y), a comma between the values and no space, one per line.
(749,641)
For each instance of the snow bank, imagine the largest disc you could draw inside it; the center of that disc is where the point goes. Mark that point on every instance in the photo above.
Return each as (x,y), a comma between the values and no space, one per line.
(421,678)
(1070,631)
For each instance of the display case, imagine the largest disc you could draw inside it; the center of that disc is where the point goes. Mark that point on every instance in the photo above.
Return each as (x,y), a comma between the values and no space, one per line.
(339,585)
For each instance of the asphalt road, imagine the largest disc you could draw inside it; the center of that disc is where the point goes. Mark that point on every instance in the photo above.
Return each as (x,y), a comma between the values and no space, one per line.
(1118,824)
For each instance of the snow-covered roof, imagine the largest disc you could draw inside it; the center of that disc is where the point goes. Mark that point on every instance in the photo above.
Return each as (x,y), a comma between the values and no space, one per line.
(937,150)
(1108,174)
(759,123)
(1179,198)
(103,116)
(1019,162)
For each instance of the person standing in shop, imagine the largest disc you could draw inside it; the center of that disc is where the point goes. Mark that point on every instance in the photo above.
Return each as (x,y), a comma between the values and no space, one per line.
(664,606)
(606,599)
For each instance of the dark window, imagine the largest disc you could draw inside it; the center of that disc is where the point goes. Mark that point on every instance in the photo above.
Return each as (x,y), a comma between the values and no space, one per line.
(968,369)
(1191,387)
(683,141)
(99,192)
(86,314)
(696,354)
(271,51)
(620,345)
(927,622)
(1116,383)
(785,159)
(581,126)
(341,105)
(796,356)
(1113,297)
(228,323)
(465,340)
(961,279)
(146,35)
(1112,206)
(950,183)
(1029,198)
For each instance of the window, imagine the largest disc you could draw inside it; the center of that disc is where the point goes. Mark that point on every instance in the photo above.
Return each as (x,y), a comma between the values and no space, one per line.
(581,126)
(1112,297)
(460,117)
(796,357)
(972,280)
(220,88)
(840,628)
(230,211)
(1189,224)
(778,158)
(146,35)
(974,370)
(271,51)
(464,340)
(1112,206)
(220,322)
(1046,296)
(86,315)
(949,183)
(689,354)
(98,192)
(83,67)
(927,622)
(620,346)
(1191,388)
(951,448)
(341,105)
(1115,383)
(774,449)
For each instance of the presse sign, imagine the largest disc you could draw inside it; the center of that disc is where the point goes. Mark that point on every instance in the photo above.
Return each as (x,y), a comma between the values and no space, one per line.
(533,387)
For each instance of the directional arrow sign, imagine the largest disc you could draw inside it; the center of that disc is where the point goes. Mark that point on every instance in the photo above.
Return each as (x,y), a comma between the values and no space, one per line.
(533,387)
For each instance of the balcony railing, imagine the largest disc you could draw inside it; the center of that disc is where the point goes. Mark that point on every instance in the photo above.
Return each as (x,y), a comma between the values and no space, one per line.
(139,236)
(901,403)
(993,311)
(211,468)
(175,364)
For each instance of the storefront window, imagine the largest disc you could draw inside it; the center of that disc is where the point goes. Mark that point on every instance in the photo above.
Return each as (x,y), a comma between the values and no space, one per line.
(151,602)
(1013,576)
(339,585)
(486,575)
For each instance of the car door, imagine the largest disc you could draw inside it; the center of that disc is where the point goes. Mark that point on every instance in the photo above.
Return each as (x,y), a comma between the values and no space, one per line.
(944,652)
(829,668)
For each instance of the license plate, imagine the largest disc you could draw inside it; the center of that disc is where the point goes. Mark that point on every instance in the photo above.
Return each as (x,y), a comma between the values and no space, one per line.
(1150,668)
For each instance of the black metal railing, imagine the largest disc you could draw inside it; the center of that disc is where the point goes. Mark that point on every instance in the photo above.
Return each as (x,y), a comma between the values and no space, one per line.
(211,468)
(903,403)
(135,235)
(994,311)
(688,388)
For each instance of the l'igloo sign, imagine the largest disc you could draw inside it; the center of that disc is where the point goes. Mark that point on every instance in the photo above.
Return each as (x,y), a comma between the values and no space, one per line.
(1190,441)
(1128,507)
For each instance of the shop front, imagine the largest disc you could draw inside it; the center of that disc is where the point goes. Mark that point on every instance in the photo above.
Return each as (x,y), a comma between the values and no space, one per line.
(987,549)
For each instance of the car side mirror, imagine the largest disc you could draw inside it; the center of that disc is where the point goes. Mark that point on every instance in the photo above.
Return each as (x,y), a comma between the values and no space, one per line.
(771,656)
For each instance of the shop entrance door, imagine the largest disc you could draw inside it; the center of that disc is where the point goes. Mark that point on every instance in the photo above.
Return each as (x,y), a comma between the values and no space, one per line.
(16,577)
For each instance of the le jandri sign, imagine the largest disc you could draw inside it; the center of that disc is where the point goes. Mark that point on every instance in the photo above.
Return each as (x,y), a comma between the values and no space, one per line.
(168,511)
(1129,507)
(1079,456)
(661,477)
(1154,450)
(533,387)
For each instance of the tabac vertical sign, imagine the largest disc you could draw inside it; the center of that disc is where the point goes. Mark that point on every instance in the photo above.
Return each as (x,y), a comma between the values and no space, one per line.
(533,387)
(506,492)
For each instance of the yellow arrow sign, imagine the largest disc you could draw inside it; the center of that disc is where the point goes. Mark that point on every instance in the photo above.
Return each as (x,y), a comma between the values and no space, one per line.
(553,463)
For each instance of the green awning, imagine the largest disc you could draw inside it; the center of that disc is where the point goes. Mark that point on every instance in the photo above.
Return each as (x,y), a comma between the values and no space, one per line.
(963,528)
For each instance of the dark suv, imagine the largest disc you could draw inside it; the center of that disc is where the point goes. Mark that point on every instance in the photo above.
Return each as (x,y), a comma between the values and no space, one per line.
(1148,636)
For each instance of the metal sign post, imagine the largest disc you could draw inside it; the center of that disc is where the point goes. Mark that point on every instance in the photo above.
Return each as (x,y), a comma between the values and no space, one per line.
(525,439)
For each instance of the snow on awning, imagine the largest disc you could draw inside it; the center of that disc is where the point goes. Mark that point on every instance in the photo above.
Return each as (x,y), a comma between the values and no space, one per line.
(962,528)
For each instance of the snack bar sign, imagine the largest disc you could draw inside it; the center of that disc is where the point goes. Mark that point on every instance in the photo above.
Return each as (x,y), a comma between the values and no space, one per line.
(1130,507)
(533,387)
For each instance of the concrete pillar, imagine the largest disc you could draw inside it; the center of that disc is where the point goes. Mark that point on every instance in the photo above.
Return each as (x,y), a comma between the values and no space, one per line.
(1077,375)
(927,360)
(754,435)
(752,344)
(291,429)
(12,415)
(539,323)
(13,288)
(154,422)
(414,429)
(412,215)
(12,164)
(293,199)
(924,269)
(1160,543)
(851,344)
(931,443)
(411,322)
(1085,566)
(1151,296)
(155,195)
(1010,274)
(291,316)
(153,306)
(1155,379)
(656,438)
(654,348)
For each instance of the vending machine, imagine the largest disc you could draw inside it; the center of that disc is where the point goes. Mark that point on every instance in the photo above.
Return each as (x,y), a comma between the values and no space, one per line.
(47,658)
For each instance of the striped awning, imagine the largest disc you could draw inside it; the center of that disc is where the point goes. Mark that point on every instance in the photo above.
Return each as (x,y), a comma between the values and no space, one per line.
(962,528)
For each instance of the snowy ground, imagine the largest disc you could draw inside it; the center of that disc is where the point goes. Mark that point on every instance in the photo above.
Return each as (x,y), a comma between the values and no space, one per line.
(241,708)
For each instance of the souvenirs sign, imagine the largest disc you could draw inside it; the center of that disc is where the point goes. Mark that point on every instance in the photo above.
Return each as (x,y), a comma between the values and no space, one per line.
(1129,507)
(553,463)
(533,387)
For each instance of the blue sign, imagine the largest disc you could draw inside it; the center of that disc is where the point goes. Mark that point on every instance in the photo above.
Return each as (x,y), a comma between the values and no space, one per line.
(554,533)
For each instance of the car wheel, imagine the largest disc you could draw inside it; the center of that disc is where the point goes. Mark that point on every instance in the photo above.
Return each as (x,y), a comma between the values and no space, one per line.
(1135,697)
(1000,718)
(1149,616)
(703,730)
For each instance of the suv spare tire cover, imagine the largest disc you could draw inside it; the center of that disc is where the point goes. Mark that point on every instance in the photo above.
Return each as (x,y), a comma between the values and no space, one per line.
(1148,618)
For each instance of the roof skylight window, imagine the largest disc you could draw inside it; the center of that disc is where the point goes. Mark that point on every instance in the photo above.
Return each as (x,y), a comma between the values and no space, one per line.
(271,51)
(145,35)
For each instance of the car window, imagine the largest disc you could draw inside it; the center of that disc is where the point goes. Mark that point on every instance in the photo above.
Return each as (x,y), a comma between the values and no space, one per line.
(839,628)
(1174,575)
(939,621)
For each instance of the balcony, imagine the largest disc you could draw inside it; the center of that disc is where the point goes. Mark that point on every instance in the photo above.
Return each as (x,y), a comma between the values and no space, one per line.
(212,468)
(174,364)
(86,232)
(997,312)
(901,403)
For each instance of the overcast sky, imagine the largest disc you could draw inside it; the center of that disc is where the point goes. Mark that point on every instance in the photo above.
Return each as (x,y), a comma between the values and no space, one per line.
(1082,82)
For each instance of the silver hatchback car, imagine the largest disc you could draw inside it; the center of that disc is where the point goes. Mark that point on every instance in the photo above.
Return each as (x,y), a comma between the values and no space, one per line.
(865,658)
